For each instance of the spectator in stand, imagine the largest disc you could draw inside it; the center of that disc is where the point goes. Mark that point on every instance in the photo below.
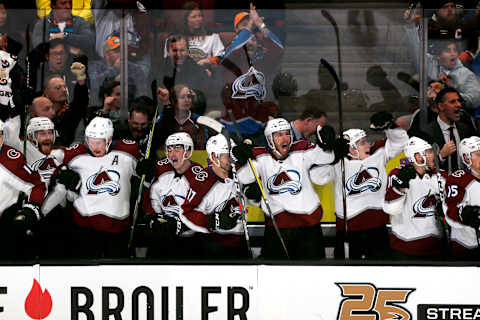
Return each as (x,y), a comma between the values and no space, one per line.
(448,129)
(80,8)
(107,14)
(61,24)
(110,93)
(67,115)
(177,117)
(101,71)
(256,65)
(306,125)
(442,63)
(138,124)
(179,67)
(42,107)
(203,47)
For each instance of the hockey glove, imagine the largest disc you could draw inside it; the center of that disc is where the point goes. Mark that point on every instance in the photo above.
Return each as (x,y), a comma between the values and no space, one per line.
(225,220)
(402,179)
(163,225)
(252,191)
(341,149)
(69,178)
(147,167)
(242,152)
(326,137)
(381,121)
(470,215)
(26,218)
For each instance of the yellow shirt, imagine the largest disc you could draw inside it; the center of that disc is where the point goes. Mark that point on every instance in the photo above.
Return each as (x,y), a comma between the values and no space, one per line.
(79,8)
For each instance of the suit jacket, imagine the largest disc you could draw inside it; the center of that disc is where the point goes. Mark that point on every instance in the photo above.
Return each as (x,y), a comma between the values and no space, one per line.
(464,128)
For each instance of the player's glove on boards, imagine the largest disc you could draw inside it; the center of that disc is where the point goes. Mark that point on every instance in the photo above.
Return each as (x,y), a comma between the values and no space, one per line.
(225,220)
(163,225)
(26,218)
(470,215)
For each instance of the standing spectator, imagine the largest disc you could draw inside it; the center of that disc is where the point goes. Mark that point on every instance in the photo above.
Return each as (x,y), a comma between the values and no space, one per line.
(448,129)
(462,203)
(80,8)
(442,63)
(61,24)
(411,200)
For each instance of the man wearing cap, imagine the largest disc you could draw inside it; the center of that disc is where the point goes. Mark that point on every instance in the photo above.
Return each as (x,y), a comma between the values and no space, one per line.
(109,68)
(249,66)
(62,24)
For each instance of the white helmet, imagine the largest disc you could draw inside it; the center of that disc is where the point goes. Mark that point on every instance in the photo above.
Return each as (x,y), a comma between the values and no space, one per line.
(179,138)
(218,144)
(467,146)
(275,125)
(353,136)
(100,128)
(416,145)
(37,124)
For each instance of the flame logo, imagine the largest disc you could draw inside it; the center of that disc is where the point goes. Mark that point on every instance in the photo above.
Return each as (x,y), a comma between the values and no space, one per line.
(38,304)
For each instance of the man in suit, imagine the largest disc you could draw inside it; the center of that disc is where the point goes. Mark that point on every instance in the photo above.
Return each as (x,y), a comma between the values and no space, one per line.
(448,129)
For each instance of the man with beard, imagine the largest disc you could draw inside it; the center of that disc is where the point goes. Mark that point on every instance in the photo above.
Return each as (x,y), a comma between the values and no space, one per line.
(101,201)
(448,129)
(411,200)
(283,167)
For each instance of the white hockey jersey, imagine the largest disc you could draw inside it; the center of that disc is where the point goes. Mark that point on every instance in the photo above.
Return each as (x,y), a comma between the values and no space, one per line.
(103,202)
(415,228)
(293,201)
(170,190)
(220,194)
(7,62)
(15,177)
(461,189)
(365,183)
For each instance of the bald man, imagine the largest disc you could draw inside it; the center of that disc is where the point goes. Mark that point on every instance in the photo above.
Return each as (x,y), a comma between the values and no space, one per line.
(42,107)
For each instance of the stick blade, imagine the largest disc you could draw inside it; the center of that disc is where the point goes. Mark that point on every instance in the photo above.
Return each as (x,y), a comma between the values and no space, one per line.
(211,123)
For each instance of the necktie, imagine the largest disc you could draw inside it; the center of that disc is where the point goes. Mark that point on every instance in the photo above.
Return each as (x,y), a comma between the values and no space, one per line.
(453,156)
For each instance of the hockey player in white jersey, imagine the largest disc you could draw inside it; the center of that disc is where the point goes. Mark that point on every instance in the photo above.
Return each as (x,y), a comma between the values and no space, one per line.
(462,202)
(219,212)
(177,180)
(101,208)
(365,185)
(283,168)
(411,199)
(17,220)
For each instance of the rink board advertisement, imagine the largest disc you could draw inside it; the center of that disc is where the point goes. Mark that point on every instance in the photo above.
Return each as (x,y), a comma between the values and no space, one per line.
(239,292)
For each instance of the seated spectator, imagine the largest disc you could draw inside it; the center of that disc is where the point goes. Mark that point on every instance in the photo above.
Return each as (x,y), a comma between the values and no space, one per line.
(306,125)
(177,117)
(80,8)
(442,63)
(203,47)
(179,67)
(108,14)
(61,24)
(101,71)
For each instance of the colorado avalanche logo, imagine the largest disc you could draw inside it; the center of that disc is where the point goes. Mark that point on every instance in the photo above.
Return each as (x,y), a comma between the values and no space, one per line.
(285,181)
(45,167)
(364,180)
(425,206)
(5,64)
(104,181)
(170,206)
(250,84)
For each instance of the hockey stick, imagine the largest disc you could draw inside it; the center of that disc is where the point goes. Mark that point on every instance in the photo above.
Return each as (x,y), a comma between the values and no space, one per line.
(218,127)
(275,226)
(334,75)
(28,84)
(147,156)
(440,197)
(332,21)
